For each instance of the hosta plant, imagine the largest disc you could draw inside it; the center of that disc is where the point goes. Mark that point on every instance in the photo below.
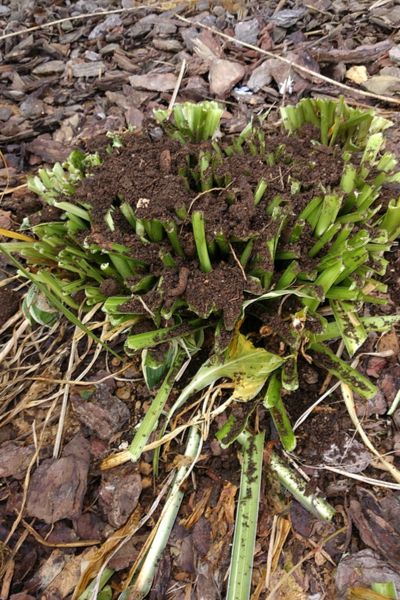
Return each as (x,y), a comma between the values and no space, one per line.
(259,247)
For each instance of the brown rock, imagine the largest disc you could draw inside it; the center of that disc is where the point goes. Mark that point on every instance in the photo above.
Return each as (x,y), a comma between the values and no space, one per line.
(224,74)
(104,416)
(134,118)
(166,45)
(58,486)
(119,494)
(48,150)
(158,82)
(14,459)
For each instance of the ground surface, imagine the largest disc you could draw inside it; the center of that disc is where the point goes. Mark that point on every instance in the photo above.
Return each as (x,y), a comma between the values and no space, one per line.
(61,86)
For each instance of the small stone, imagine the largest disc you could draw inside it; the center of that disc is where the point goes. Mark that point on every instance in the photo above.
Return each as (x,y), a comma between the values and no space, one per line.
(167,45)
(260,76)
(109,23)
(87,69)
(394,54)
(189,34)
(14,459)
(134,118)
(123,393)
(119,494)
(49,68)
(157,82)
(247,31)
(32,107)
(357,73)
(5,113)
(224,74)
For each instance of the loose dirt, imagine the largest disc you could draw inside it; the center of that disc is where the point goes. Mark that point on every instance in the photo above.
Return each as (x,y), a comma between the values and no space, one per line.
(160,178)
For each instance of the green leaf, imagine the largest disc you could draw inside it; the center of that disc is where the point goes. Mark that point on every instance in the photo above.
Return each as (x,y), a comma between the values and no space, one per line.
(350,326)
(344,372)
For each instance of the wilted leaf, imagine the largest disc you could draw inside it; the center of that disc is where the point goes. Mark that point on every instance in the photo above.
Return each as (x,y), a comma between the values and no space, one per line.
(248,367)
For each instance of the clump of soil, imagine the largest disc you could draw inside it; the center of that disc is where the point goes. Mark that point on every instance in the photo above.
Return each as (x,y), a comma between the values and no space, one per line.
(9,303)
(159,179)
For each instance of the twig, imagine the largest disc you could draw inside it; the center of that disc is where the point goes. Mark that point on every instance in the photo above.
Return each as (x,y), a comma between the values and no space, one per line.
(279,6)
(43,542)
(237,261)
(300,68)
(176,89)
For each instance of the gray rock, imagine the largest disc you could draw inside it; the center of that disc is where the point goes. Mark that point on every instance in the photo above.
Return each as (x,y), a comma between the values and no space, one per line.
(260,76)
(247,31)
(157,82)
(189,34)
(119,494)
(32,107)
(5,113)
(224,74)
(288,17)
(109,23)
(49,68)
(167,45)
(394,54)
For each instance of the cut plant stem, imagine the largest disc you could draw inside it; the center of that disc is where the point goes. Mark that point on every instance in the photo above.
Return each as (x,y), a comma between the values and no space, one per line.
(244,538)
(200,241)
(144,579)
(273,402)
(297,486)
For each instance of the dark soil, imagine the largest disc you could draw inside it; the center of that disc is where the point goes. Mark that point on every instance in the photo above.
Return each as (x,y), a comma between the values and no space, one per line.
(9,303)
(147,174)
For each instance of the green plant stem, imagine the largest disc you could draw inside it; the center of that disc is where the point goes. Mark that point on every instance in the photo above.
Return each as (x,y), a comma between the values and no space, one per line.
(200,241)
(273,402)
(143,581)
(297,486)
(241,567)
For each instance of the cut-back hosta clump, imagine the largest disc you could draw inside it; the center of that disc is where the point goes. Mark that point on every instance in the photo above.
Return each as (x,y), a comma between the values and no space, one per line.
(190,236)
(184,230)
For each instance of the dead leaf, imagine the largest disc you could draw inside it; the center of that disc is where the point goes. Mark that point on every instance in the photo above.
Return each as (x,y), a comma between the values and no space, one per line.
(389,342)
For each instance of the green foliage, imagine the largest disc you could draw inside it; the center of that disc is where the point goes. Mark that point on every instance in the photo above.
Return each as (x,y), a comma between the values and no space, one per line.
(350,227)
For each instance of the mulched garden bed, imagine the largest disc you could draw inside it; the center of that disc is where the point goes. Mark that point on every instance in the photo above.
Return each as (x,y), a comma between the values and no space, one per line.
(52,99)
